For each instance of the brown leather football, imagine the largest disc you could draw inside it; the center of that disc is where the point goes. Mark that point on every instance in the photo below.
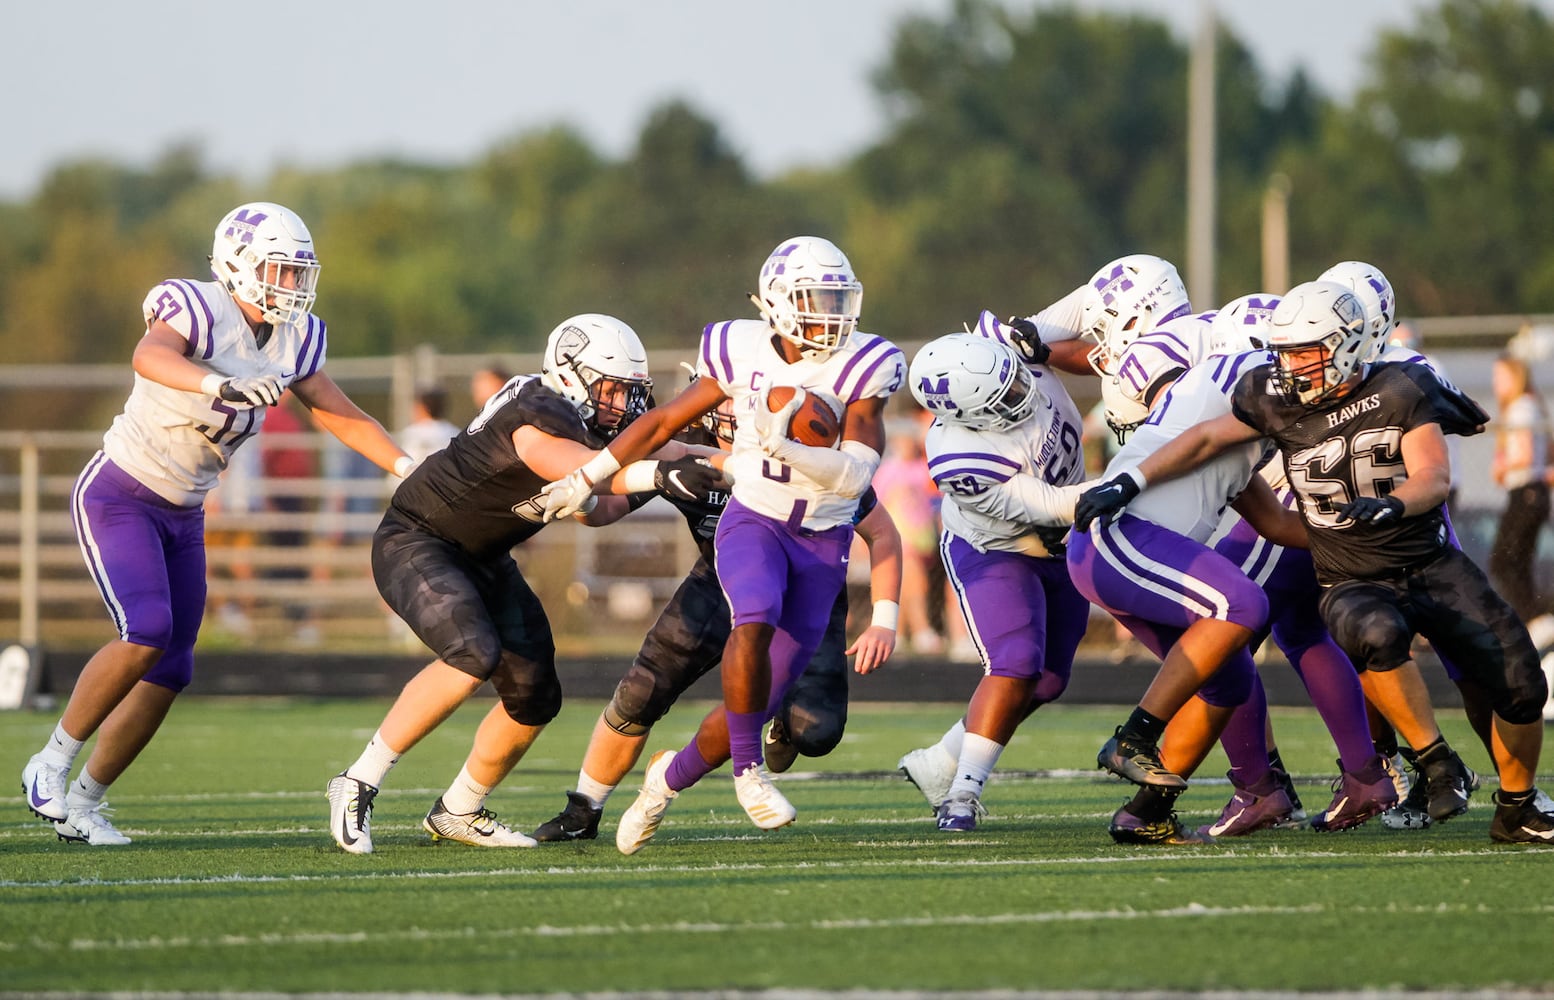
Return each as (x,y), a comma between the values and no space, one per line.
(815,422)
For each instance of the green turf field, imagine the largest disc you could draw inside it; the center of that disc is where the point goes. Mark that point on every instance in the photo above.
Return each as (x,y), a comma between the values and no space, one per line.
(233,883)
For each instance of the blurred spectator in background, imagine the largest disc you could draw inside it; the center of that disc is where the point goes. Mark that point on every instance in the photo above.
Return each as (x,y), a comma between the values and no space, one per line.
(908,493)
(485,382)
(1522,468)
(287,460)
(231,505)
(428,431)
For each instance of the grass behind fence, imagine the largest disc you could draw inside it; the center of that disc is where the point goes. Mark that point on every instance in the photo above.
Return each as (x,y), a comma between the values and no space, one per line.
(233,883)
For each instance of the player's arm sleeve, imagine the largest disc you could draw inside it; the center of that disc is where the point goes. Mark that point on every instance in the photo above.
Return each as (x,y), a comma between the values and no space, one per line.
(1443,403)
(1063,319)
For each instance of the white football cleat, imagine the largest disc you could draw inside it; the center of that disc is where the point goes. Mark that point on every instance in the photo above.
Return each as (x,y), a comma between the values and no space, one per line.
(932,771)
(44,786)
(640,821)
(90,826)
(764,804)
(479,829)
(350,813)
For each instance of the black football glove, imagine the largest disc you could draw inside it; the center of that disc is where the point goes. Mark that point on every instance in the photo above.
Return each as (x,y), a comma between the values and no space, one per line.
(1376,511)
(689,479)
(1054,539)
(1105,501)
(1025,338)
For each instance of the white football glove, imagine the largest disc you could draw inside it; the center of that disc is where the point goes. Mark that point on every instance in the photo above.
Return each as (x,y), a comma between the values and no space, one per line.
(256,390)
(568,496)
(772,428)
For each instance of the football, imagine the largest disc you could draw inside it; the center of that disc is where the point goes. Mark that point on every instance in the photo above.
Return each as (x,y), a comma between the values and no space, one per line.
(816,422)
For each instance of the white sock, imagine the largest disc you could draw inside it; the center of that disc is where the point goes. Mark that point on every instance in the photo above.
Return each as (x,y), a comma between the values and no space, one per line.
(465,795)
(978,756)
(375,762)
(85,792)
(953,739)
(596,792)
(62,748)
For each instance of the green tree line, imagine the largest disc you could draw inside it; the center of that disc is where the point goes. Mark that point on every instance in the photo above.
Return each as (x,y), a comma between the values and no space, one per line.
(1025,148)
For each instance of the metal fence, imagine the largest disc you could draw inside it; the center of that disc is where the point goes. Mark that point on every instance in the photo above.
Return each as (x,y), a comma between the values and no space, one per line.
(292,568)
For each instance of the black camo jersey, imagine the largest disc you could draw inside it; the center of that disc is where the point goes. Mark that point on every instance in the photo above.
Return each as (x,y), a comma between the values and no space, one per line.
(1344,448)
(476,492)
(701,516)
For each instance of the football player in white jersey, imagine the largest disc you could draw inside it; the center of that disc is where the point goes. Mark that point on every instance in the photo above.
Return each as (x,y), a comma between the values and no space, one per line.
(1005,451)
(215,356)
(1152,569)
(782,542)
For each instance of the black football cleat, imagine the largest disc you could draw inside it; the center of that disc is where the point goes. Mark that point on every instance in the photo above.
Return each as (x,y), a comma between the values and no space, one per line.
(578,821)
(1137,762)
(1520,824)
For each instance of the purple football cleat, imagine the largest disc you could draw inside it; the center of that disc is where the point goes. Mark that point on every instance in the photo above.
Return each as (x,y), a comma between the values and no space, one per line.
(1358,795)
(1253,807)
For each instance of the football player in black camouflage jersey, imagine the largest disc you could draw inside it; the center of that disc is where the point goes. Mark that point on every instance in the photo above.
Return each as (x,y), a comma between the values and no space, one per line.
(442,561)
(687,642)
(1365,448)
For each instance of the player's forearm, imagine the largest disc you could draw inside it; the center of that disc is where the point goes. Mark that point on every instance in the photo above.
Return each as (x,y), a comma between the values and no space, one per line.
(845,471)
(1424,492)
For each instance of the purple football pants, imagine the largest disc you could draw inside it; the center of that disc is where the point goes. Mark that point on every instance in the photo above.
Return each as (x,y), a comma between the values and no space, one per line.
(147,557)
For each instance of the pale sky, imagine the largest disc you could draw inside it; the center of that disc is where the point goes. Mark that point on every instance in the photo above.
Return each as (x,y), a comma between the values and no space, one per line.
(320,84)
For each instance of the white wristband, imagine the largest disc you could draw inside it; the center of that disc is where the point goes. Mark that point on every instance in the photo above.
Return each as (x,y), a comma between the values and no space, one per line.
(638,477)
(886,614)
(601,466)
(404,465)
(1138,478)
(210,385)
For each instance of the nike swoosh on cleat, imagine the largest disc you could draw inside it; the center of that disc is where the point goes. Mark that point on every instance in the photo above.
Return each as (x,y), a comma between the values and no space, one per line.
(345,829)
(1540,834)
(1337,809)
(37,800)
(1220,828)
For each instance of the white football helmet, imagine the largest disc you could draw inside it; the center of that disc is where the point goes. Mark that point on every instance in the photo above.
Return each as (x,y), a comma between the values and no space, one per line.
(1242,324)
(809,294)
(1327,317)
(973,381)
(264,256)
(599,364)
(1374,291)
(1126,299)
(1123,412)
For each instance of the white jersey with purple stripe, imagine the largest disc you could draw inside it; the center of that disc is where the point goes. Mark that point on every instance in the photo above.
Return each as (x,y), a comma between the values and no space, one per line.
(998,485)
(1162,355)
(1191,505)
(177,442)
(740,356)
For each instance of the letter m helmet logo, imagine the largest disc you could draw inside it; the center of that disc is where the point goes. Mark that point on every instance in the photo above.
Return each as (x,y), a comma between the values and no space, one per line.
(936,394)
(243,225)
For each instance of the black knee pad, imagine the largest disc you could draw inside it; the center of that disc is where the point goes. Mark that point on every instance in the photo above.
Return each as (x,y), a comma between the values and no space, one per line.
(641,698)
(815,734)
(530,691)
(1367,624)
